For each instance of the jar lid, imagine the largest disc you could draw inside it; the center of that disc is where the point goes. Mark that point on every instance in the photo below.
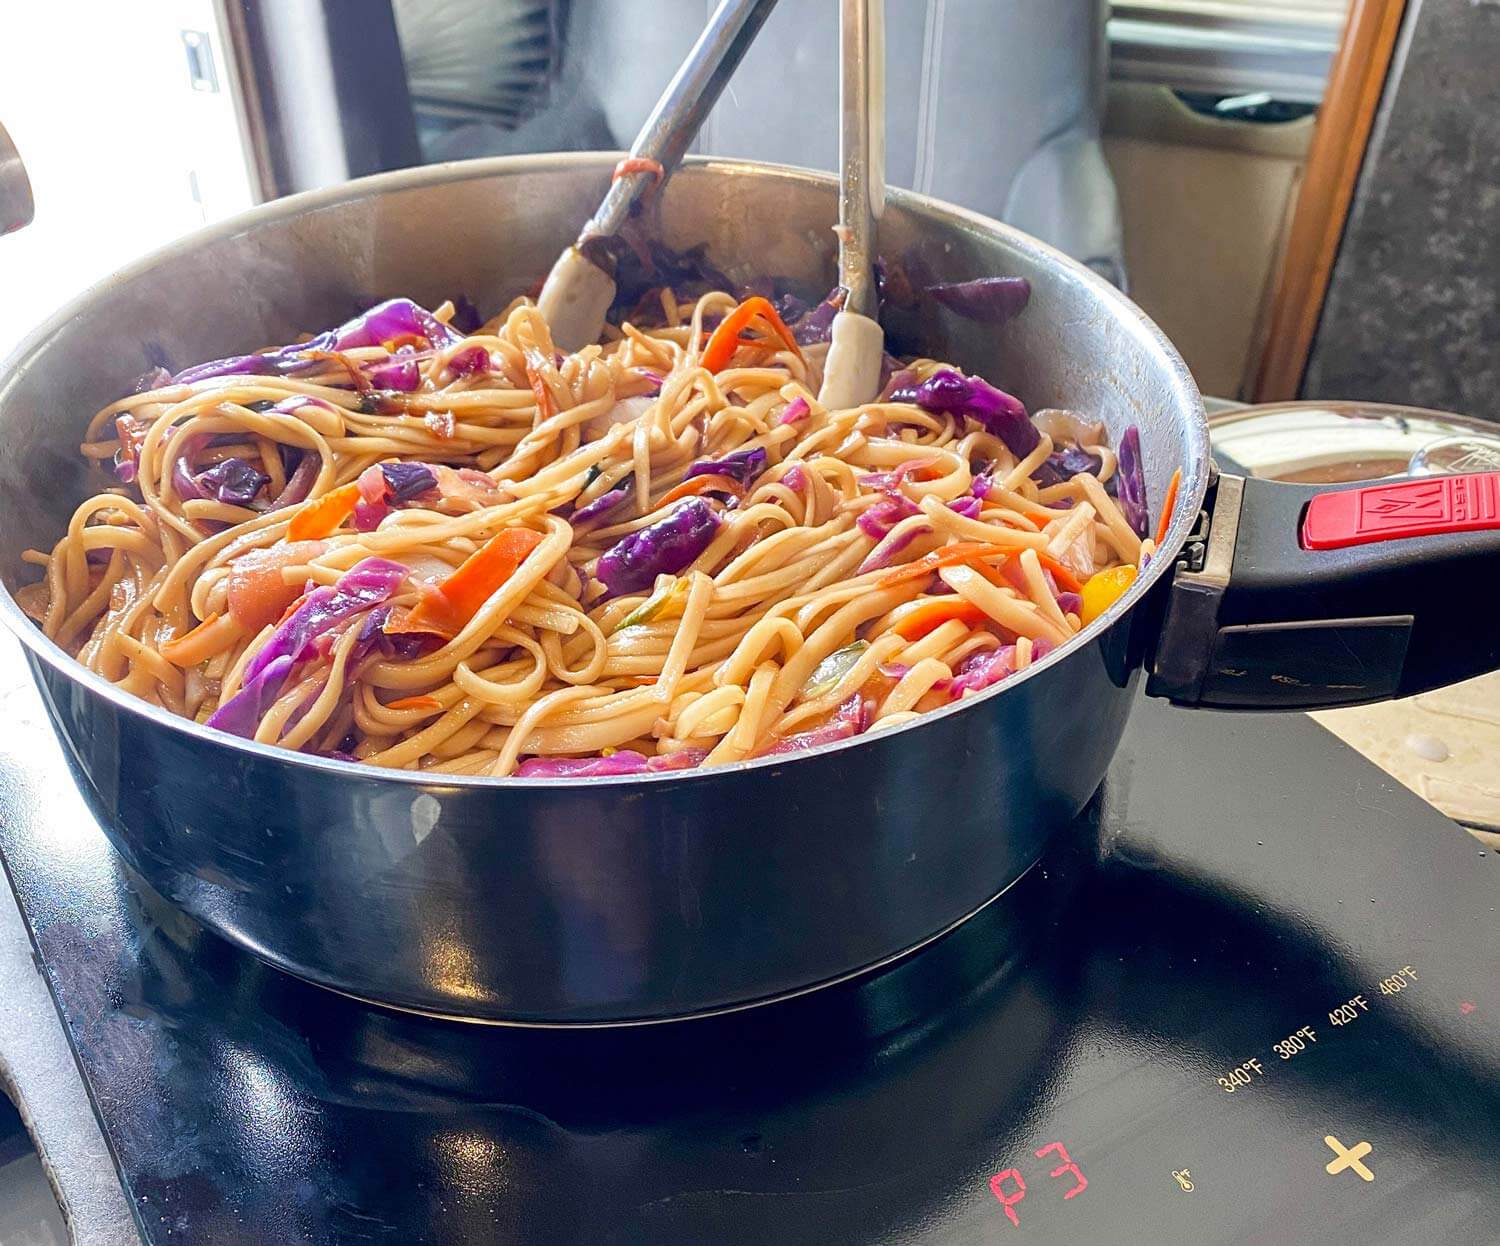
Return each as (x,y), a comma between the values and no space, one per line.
(1334,442)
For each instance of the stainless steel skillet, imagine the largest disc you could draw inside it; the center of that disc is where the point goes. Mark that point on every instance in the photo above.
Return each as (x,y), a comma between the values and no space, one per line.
(607,900)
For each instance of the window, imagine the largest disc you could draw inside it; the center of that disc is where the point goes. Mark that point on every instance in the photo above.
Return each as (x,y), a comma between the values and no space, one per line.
(1227,47)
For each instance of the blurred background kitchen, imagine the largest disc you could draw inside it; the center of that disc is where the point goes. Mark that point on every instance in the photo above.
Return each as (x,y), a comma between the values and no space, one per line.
(1303,193)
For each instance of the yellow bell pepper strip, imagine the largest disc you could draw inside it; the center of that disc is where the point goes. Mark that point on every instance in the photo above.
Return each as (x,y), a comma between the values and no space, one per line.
(446,609)
(317,519)
(1168,504)
(703,484)
(1103,589)
(725,339)
(928,616)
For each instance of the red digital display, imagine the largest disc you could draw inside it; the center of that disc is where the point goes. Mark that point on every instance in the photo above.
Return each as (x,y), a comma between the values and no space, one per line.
(1010,1188)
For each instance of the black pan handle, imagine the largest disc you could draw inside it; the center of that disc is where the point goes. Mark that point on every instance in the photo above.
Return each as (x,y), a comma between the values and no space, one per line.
(1308,596)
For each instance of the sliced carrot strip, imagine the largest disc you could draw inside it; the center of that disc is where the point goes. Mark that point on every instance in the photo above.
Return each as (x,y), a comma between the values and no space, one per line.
(931,615)
(1066,580)
(724,340)
(422,702)
(973,553)
(400,623)
(392,344)
(462,595)
(318,519)
(546,409)
(1000,577)
(215,634)
(356,377)
(957,552)
(703,484)
(912,469)
(1168,504)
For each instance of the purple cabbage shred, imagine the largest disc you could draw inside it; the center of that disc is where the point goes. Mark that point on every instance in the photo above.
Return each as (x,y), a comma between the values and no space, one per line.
(406,481)
(1131,489)
(742,466)
(947,392)
(365,585)
(668,546)
(392,319)
(241,714)
(990,300)
(601,506)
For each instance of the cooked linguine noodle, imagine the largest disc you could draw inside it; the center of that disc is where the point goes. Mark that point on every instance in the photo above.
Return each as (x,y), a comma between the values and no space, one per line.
(467,553)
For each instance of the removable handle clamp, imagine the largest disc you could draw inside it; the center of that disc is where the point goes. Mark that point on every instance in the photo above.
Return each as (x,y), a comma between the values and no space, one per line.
(1311,596)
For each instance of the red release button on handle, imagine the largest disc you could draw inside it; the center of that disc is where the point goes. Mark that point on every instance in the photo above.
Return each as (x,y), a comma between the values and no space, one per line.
(1384,512)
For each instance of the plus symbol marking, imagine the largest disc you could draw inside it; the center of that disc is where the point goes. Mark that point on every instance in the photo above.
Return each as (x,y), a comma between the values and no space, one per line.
(1348,1157)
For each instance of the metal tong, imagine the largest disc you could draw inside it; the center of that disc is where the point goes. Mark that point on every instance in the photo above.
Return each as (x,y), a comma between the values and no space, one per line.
(851,374)
(578,292)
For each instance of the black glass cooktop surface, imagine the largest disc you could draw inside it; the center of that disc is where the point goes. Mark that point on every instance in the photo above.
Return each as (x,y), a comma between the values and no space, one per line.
(1250,997)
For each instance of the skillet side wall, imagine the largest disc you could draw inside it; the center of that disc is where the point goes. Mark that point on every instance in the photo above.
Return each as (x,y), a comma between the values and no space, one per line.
(600,902)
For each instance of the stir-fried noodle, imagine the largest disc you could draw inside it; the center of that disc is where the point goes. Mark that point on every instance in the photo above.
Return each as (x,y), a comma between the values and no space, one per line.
(468,553)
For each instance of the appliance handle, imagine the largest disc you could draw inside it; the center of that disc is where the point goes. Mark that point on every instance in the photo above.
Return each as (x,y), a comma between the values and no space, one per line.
(1309,596)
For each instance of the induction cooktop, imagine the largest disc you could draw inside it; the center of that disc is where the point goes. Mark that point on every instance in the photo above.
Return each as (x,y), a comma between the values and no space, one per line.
(1250,996)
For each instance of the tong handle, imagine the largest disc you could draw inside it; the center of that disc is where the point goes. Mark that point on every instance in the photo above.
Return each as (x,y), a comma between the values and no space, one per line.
(682,108)
(861,148)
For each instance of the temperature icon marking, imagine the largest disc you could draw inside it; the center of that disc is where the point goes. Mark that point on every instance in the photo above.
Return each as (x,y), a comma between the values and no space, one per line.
(1185,1180)
(1347,1157)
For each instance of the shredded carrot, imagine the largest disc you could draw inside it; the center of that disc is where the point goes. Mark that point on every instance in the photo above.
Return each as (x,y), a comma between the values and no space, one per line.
(725,339)
(399,623)
(392,344)
(534,364)
(957,552)
(422,702)
(703,484)
(1066,580)
(973,553)
(1000,577)
(461,596)
(1168,504)
(322,517)
(639,164)
(211,636)
(930,615)
(356,377)
(912,469)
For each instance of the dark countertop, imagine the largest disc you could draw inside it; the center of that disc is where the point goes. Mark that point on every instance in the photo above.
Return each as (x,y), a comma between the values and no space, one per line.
(1240,878)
